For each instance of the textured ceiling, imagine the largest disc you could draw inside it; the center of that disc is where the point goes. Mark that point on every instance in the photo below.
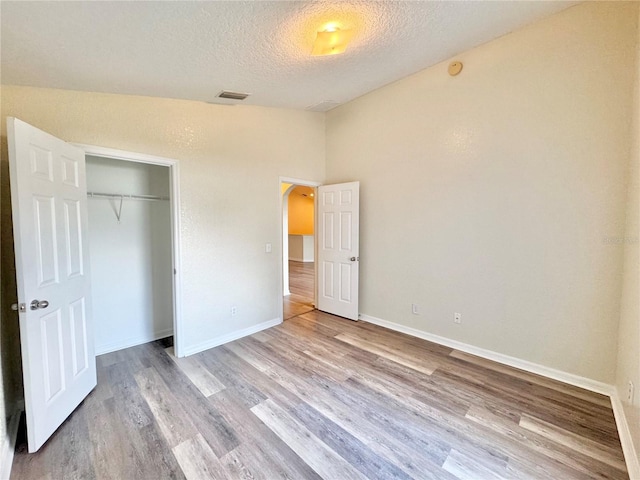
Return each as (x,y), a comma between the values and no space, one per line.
(193,50)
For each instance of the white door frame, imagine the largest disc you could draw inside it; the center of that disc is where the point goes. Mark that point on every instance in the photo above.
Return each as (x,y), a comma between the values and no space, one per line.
(174,180)
(285,235)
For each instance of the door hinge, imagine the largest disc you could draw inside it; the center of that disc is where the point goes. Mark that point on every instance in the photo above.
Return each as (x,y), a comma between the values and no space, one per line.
(20,307)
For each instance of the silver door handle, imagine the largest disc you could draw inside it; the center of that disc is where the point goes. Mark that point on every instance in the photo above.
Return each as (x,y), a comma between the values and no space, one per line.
(36,304)
(353,259)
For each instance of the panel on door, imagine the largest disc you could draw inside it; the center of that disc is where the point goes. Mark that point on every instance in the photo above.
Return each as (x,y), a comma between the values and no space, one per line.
(338,249)
(49,202)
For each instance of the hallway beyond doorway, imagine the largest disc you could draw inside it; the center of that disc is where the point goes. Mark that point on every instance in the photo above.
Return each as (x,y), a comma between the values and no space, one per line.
(301,283)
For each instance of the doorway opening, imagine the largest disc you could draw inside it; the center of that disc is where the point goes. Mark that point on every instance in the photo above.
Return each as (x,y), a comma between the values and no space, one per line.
(298,248)
(134,249)
(336,256)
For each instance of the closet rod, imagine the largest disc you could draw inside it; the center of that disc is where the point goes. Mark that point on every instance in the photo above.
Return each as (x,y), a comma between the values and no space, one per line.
(122,195)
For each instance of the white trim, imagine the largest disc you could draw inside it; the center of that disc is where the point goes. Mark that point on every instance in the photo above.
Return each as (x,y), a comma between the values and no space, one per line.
(628,448)
(570,378)
(125,155)
(297,181)
(9,444)
(132,342)
(230,337)
(630,454)
(174,179)
(178,343)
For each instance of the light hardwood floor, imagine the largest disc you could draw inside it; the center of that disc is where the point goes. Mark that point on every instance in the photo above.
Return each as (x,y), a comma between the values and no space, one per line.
(301,285)
(323,397)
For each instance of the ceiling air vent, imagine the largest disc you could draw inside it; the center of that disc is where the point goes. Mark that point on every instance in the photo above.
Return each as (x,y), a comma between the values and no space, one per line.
(232,95)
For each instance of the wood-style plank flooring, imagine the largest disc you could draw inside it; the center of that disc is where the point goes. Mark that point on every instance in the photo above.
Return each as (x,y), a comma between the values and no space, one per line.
(324,397)
(301,286)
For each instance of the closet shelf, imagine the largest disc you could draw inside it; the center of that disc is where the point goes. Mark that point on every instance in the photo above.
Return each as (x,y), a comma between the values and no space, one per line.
(126,196)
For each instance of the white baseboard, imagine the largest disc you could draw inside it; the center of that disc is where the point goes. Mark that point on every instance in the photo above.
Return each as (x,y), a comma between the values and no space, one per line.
(570,378)
(628,448)
(230,337)
(9,444)
(132,342)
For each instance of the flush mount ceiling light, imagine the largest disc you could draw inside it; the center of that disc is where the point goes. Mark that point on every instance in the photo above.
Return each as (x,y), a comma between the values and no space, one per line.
(331,41)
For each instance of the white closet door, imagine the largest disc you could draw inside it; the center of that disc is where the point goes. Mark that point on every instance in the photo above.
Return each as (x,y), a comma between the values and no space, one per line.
(49,201)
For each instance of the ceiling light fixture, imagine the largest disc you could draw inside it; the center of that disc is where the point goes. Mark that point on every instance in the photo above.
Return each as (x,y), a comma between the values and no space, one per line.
(331,41)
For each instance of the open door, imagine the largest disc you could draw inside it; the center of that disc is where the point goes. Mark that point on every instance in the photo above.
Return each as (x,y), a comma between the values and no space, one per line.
(338,226)
(49,202)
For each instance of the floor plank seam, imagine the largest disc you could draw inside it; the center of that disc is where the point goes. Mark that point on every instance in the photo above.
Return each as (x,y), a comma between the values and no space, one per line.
(323,397)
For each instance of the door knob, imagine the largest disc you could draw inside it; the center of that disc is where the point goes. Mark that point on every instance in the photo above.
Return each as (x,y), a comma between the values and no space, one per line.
(36,304)
(353,259)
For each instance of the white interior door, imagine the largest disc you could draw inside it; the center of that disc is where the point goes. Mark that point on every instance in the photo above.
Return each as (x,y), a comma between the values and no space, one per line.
(338,250)
(48,195)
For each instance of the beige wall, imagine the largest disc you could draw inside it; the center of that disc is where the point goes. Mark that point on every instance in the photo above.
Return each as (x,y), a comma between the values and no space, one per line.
(629,334)
(222,151)
(300,212)
(500,193)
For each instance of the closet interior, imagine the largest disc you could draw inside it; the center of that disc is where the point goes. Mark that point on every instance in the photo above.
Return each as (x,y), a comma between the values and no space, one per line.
(130,251)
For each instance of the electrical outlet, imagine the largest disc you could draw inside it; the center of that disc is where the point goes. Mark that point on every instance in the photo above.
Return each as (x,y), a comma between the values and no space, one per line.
(630,392)
(457,317)
(414,309)
(267,248)
(234,311)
